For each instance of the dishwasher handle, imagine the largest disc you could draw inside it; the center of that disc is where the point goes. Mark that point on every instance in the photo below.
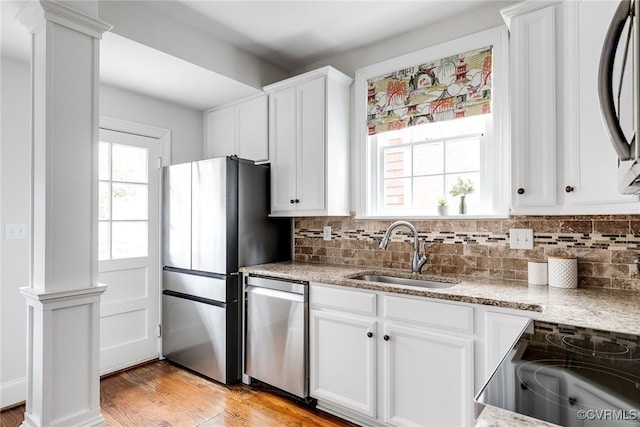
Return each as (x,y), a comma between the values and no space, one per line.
(276,284)
(274,294)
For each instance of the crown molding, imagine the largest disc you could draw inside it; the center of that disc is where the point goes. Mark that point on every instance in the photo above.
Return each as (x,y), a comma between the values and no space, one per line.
(522,8)
(35,12)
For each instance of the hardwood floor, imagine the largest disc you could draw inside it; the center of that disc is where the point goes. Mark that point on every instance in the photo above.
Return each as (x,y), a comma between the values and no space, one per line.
(161,394)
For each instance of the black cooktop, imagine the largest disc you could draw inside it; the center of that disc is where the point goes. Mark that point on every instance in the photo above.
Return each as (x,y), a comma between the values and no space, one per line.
(569,376)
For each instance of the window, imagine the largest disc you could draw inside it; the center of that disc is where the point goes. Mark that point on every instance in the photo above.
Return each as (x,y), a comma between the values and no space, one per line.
(123,207)
(406,166)
(418,165)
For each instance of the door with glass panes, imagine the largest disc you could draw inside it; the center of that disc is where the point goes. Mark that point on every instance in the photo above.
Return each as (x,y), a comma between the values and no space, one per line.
(128,253)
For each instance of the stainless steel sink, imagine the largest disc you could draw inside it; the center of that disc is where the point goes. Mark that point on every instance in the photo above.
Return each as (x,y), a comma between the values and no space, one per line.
(421,283)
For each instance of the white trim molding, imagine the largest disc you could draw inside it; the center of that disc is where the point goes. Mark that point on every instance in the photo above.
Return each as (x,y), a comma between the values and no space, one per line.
(13,392)
(36,12)
(163,135)
(498,37)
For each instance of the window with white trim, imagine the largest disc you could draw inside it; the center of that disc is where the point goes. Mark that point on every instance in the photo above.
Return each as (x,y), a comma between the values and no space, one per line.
(408,166)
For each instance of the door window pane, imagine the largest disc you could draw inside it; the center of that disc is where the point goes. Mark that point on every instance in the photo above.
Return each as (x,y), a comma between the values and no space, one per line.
(104,200)
(128,239)
(129,164)
(104,170)
(123,201)
(129,201)
(104,240)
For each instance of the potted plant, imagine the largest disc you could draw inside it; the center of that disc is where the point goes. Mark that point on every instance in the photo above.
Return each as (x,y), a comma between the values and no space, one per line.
(462,188)
(442,206)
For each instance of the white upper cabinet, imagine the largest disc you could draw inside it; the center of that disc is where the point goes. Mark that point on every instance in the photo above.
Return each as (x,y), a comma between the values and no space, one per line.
(533,120)
(239,129)
(309,144)
(589,178)
(562,160)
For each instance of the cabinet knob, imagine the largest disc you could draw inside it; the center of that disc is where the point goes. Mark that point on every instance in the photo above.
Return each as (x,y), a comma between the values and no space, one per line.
(386,337)
(568,189)
(369,334)
(520,190)
(573,401)
(291,201)
(523,386)
(297,200)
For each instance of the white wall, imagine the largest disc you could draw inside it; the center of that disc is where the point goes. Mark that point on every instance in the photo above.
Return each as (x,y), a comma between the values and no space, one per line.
(185,124)
(186,128)
(15,202)
(486,16)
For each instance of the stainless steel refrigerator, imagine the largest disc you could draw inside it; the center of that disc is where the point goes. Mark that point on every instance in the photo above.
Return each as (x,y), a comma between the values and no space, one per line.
(215,219)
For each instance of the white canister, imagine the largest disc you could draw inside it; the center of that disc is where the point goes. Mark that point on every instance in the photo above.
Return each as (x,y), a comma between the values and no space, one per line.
(537,272)
(563,272)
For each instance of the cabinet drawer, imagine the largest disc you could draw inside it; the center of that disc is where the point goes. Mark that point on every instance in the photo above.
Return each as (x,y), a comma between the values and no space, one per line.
(444,316)
(343,299)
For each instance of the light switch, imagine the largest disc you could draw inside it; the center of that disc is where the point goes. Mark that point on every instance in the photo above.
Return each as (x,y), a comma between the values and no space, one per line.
(521,238)
(326,232)
(15,231)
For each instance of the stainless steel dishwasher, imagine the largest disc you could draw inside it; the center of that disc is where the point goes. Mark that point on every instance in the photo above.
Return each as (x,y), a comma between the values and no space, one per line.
(277,319)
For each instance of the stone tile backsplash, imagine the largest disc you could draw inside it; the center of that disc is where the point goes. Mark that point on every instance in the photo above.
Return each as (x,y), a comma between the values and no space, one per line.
(606,246)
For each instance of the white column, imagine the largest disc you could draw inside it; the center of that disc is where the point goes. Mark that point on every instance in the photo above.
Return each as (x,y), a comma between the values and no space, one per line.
(63,379)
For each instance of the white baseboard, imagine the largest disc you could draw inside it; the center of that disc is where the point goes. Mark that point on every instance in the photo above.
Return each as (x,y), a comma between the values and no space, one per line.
(12,392)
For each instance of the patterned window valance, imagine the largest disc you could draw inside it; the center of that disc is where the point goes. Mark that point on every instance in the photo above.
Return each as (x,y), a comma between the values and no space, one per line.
(450,88)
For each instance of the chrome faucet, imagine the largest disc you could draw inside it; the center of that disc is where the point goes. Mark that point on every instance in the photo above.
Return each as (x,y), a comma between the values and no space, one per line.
(418,261)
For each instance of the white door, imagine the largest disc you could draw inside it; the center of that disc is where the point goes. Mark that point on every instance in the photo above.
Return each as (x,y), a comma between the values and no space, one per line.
(342,361)
(129,248)
(428,378)
(283,140)
(312,119)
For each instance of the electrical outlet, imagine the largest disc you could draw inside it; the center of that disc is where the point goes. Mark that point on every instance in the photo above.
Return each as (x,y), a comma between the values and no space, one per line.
(521,238)
(326,232)
(15,231)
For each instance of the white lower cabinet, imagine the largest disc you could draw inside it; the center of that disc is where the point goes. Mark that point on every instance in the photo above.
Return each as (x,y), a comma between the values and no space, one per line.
(428,377)
(343,360)
(501,332)
(381,359)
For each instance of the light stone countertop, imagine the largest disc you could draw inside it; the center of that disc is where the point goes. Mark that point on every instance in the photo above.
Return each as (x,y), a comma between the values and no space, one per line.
(607,309)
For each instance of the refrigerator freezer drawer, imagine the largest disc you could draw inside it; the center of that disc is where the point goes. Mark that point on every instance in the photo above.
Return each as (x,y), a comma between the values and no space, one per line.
(195,285)
(194,336)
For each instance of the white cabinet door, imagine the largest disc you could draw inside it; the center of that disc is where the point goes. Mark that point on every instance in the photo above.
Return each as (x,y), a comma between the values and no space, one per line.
(302,157)
(283,137)
(240,129)
(342,360)
(252,129)
(502,330)
(428,378)
(533,46)
(311,145)
(587,146)
(221,133)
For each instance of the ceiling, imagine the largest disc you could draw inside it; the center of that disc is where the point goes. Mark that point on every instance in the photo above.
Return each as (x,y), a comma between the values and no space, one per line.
(289,34)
